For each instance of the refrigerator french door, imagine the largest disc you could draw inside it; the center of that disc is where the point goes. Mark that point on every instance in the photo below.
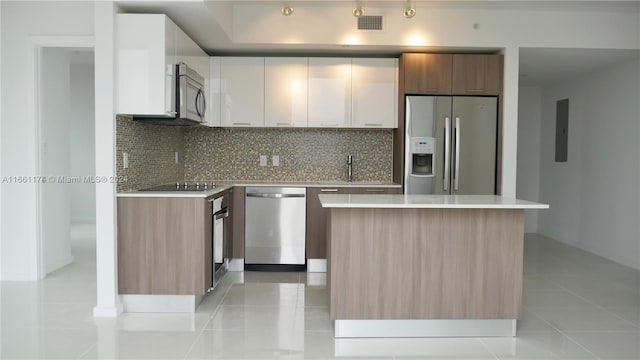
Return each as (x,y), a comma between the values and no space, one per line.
(450,145)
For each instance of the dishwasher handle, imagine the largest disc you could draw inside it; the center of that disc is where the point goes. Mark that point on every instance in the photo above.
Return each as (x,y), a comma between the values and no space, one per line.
(275,196)
(221,214)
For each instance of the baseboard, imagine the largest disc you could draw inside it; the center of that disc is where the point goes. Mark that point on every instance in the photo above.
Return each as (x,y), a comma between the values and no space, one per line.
(236,264)
(317,265)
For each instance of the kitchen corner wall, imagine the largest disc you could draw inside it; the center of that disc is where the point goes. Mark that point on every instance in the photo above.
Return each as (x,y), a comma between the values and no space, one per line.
(151,150)
(305,154)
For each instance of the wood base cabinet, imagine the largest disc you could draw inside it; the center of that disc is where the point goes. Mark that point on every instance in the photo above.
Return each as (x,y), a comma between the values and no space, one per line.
(164,246)
(316,242)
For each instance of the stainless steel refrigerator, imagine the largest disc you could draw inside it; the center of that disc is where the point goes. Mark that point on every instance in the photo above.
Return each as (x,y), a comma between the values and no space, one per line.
(450,145)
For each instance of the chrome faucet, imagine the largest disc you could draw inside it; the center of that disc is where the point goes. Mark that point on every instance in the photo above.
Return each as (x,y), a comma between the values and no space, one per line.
(350,168)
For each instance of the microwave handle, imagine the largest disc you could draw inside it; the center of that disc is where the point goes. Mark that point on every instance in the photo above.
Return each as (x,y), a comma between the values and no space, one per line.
(202,102)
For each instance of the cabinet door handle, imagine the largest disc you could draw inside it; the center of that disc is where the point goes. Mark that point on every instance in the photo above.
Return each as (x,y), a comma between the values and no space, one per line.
(283,124)
(328,190)
(242,123)
(328,124)
(475,90)
(375,190)
(372,124)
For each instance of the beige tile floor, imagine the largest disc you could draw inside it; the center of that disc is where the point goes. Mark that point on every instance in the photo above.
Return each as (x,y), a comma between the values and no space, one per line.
(577,306)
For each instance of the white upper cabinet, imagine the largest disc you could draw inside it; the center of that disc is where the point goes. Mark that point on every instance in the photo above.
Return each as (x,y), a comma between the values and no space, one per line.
(285,93)
(329,92)
(213,88)
(146,46)
(242,91)
(374,93)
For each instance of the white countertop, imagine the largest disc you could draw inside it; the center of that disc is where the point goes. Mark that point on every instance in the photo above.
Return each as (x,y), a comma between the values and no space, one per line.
(225,185)
(427,202)
(177,194)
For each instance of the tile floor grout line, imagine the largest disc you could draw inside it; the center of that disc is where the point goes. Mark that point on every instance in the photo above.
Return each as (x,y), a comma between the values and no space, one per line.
(601,307)
(495,356)
(94,345)
(580,345)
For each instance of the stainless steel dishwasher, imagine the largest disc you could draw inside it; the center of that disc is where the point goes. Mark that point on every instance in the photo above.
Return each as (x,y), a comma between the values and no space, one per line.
(275,225)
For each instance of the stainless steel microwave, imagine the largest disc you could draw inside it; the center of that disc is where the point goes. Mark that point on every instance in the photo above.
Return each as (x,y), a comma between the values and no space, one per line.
(186,96)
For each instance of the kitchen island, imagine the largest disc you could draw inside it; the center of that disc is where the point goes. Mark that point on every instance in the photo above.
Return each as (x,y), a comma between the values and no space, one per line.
(425,265)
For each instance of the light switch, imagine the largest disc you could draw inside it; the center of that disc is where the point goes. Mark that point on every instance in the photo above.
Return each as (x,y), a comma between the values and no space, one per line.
(275,160)
(263,160)
(125,160)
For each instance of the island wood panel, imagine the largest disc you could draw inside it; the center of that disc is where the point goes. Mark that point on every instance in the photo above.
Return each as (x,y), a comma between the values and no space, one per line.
(164,246)
(425,263)
(238,222)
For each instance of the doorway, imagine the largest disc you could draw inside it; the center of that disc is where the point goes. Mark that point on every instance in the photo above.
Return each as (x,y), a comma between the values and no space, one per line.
(67,162)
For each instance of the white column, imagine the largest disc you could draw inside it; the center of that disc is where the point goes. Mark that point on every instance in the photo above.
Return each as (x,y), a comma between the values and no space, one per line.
(106,256)
(510,121)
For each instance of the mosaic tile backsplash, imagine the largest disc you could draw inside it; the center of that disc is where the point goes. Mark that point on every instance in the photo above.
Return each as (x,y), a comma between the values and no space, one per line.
(151,151)
(234,154)
(305,154)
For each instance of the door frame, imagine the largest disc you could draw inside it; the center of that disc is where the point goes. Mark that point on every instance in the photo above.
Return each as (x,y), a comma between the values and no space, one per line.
(34,62)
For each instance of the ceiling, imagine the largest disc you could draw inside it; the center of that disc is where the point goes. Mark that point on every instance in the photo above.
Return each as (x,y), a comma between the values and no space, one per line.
(210,24)
(544,65)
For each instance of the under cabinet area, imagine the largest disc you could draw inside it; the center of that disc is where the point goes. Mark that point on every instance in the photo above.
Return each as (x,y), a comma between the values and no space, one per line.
(164,245)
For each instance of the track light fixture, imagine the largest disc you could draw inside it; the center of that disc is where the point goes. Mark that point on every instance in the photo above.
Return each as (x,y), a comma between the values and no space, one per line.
(287,9)
(408,10)
(358,10)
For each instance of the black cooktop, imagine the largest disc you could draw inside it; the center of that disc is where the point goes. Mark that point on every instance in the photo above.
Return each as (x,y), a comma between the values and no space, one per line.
(184,187)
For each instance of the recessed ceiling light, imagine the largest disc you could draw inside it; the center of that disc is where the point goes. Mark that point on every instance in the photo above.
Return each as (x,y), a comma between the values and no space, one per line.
(286,10)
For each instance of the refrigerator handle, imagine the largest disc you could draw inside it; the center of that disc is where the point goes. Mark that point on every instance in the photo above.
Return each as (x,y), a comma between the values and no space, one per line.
(456,169)
(447,151)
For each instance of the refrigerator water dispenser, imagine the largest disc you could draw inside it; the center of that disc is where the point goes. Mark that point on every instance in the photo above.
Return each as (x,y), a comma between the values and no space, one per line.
(422,155)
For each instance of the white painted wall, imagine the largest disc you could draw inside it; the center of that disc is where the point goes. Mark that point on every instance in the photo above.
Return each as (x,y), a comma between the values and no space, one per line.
(55,204)
(21,22)
(594,196)
(82,143)
(528,175)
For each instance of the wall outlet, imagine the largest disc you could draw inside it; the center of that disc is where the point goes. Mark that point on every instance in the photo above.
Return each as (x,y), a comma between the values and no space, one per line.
(275,160)
(125,160)
(175,156)
(263,160)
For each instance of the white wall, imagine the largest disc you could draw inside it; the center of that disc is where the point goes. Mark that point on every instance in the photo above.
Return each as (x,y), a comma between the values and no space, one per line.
(82,144)
(55,95)
(595,195)
(21,22)
(528,175)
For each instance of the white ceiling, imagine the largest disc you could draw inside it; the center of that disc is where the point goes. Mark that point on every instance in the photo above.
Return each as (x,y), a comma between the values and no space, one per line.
(540,66)
(210,24)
